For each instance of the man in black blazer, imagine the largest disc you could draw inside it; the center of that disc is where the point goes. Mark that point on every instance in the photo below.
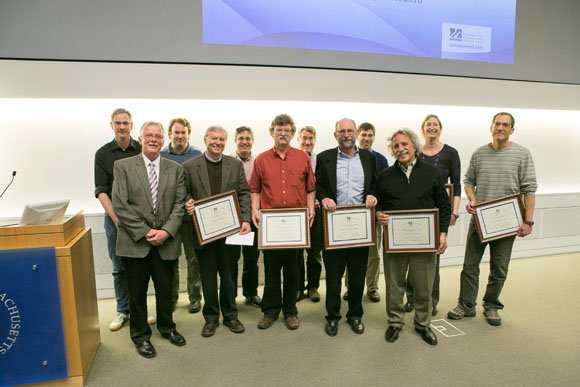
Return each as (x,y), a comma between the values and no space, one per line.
(207,175)
(148,197)
(345,175)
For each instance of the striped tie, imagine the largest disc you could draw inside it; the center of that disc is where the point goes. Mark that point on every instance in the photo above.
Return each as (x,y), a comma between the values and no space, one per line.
(153,182)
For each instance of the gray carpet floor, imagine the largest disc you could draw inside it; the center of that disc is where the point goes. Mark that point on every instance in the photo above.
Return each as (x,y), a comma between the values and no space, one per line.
(537,345)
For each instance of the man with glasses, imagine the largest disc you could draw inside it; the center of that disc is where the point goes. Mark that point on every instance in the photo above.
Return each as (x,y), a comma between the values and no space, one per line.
(180,151)
(148,198)
(282,178)
(120,147)
(345,175)
(244,142)
(498,169)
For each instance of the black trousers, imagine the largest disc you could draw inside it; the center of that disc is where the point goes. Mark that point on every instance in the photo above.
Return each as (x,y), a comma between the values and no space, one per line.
(355,261)
(250,268)
(274,299)
(139,270)
(313,267)
(213,259)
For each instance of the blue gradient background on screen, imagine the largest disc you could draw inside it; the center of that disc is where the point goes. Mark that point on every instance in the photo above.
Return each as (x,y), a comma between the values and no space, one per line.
(393,27)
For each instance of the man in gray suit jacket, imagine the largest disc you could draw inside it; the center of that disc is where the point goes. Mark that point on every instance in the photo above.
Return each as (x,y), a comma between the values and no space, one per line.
(208,175)
(148,197)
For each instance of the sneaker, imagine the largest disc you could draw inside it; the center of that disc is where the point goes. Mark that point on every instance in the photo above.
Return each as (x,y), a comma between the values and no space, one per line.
(492,317)
(151,320)
(459,312)
(254,301)
(314,295)
(118,322)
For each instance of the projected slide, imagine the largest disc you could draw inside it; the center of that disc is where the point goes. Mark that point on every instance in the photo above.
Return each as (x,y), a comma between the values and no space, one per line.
(470,30)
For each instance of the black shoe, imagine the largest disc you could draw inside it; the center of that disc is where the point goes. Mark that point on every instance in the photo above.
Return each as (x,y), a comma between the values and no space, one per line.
(374,296)
(235,326)
(194,307)
(392,334)
(409,306)
(255,301)
(331,328)
(345,297)
(427,335)
(209,328)
(174,338)
(357,326)
(434,311)
(146,349)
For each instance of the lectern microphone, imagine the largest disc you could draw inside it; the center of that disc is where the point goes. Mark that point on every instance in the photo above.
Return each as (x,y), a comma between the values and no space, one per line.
(13,174)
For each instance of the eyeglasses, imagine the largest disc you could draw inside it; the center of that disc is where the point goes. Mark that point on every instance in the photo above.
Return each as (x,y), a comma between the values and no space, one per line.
(504,124)
(123,123)
(149,136)
(282,130)
(341,132)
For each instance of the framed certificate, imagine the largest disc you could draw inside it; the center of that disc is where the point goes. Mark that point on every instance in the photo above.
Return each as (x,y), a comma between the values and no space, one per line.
(412,231)
(499,218)
(284,228)
(349,226)
(449,188)
(216,217)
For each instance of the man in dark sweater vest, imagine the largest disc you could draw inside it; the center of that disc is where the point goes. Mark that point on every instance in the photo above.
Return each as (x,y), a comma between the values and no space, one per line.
(411,184)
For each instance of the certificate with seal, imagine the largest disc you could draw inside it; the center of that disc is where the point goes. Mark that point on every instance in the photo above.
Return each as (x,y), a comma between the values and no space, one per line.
(349,226)
(216,217)
(412,231)
(499,218)
(284,228)
(449,189)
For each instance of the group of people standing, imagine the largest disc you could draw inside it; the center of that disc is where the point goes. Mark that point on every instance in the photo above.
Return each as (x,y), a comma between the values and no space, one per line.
(145,190)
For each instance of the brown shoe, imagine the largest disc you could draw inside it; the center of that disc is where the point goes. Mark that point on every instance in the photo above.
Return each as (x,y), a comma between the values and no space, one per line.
(266,322)
(374,296)
(292,322)
(209,328)
(235,326)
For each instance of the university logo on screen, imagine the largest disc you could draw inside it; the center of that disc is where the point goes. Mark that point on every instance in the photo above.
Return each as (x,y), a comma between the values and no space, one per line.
(11,324)
(455,34)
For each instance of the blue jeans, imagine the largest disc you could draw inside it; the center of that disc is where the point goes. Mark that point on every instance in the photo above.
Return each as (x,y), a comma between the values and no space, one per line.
(119,275)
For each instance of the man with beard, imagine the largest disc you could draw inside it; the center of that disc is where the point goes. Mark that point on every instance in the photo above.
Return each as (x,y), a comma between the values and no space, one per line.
(282,178)
(345,175)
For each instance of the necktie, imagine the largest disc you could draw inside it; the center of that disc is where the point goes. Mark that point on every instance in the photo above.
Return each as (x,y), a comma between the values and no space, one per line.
(153,183)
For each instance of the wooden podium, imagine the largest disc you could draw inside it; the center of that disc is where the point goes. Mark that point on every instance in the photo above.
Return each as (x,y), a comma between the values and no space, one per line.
(78,294)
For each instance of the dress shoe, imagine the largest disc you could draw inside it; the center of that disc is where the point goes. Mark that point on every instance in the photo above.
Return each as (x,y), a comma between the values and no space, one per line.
(209,328)
(409,306)
(427,335)
(357,326)
(266,322)
(292,322)
(374,296)
(255,301)
(331,328)
(345,297)
(314,295)
(434,311)
(118,322)
(146,349)
(392,334)
(194,307)
(235,326)
(174,338)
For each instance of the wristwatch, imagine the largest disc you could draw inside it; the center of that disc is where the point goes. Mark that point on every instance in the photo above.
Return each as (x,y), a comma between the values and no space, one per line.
(529,222)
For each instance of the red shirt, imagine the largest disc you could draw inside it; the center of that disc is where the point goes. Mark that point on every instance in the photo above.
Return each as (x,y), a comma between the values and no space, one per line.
(282,183)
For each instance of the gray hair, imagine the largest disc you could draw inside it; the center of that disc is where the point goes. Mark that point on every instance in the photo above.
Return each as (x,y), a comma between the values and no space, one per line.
(215,128)
(308,129)
(147,123)
(121,111)
(412,136)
